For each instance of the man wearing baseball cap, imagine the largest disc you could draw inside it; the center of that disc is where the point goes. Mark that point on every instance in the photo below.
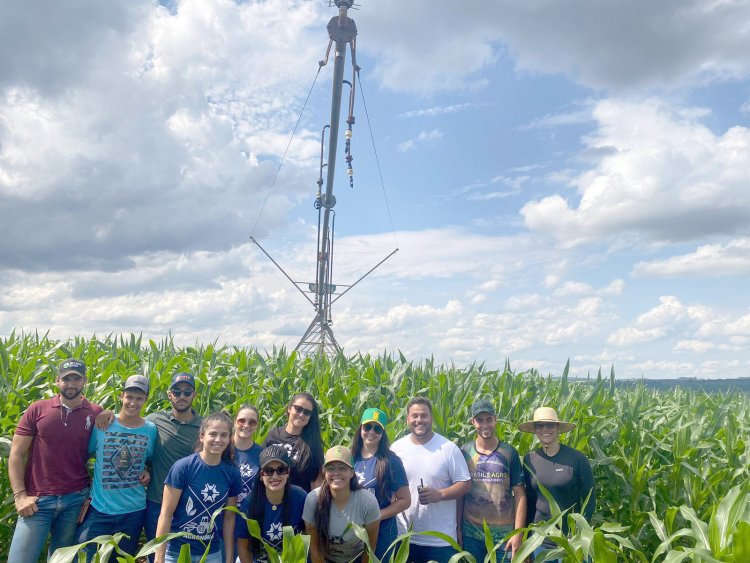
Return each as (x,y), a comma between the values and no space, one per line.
(118,497)
(498,494)
(52,433)
(178,430)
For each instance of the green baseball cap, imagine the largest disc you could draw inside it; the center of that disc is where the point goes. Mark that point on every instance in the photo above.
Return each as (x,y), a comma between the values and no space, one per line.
(374,415)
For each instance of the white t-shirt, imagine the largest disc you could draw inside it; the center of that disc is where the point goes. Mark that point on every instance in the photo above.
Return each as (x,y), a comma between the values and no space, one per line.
(439,464)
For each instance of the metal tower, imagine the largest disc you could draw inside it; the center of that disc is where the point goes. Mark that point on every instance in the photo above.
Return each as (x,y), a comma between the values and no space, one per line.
(319,338)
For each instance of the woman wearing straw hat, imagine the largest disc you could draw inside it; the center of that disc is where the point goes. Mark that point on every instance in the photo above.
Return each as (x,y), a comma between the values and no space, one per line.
(563,471)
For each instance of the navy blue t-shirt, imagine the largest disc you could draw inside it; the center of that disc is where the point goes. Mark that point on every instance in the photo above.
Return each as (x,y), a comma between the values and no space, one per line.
(205,488)
(248,462)
(365,471)
(272,526)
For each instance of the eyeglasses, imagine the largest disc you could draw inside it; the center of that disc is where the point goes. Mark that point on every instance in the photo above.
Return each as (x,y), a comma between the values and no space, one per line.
(248,421)
(545,425)
(183,393)
(301,410)
(336,468)
(268,471)
(374,427)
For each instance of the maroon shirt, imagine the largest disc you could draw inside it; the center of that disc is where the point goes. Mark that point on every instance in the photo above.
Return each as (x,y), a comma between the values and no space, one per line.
(59,452)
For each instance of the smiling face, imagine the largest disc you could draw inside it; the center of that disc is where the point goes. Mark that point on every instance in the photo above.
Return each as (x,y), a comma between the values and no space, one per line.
(132,402)
(547,433)
(484,423)
(337,474)
(71,386)
(299,413)
(215,439)
(371,433)
(181,396)
(419,420)
(246,424)
(274,475)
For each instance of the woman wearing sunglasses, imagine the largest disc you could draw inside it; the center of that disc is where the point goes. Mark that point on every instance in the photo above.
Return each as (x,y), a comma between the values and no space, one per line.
(381,471)
(246,451)
(564,471)
(338,502)
(301,439)
(274,503)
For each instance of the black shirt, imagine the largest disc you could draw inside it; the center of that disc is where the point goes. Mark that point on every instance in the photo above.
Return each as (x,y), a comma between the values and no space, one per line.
(304,471)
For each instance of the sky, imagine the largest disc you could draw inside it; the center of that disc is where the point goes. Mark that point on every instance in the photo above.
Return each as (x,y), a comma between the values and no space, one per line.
(563,180)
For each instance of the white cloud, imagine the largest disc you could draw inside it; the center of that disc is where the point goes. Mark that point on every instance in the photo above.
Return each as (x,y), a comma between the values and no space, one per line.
(697,346)
(660,173)
(424,137)
(711,260)
(434,111)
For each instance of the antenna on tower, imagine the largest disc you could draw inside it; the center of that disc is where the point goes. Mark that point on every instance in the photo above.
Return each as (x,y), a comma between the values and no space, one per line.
(319,338)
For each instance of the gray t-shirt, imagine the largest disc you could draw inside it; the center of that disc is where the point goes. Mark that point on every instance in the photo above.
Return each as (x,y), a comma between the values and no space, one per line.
(361,509)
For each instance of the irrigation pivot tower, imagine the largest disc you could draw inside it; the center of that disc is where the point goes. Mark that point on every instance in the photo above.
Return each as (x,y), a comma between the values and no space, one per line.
(319,338)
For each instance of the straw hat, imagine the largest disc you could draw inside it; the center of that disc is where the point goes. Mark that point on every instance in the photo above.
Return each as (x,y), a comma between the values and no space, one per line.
(546,414)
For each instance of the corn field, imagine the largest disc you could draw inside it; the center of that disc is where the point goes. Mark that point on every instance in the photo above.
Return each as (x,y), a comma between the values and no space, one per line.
(671,468)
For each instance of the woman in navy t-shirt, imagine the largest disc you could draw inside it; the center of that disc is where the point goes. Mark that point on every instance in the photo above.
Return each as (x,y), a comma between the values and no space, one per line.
(274,503)
(382,472)
(196,486)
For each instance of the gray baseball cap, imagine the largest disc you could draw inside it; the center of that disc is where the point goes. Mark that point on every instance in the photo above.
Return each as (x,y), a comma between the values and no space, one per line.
(136,382)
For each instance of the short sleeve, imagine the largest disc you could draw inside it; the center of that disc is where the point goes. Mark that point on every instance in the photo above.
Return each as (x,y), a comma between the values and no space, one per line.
(235,484)
(457,468)
(371,509)
(516,470)
(93,439)
(311,506)
(398,473)
(27,425)
(177,473)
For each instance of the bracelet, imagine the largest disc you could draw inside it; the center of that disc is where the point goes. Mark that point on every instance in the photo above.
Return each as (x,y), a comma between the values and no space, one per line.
(19,492)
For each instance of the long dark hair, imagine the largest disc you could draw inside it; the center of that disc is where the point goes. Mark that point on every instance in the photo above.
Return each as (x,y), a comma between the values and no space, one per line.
(220,416)
(257,508)
(383,463)
(311,445)
(323,513)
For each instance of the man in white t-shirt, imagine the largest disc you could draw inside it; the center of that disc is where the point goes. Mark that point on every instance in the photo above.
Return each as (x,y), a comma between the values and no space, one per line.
(437,475)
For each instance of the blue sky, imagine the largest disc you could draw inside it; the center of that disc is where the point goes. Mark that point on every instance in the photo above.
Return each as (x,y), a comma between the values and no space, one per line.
(563,179)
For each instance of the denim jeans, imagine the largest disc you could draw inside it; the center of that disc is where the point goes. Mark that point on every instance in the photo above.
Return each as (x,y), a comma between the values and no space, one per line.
(214,557)
(425,553)
(387,534)
(479,550)
(98,524)
(153,509)
(57,516)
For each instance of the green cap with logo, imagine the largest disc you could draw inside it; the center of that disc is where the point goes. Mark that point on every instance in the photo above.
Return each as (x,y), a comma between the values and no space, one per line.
(374,415)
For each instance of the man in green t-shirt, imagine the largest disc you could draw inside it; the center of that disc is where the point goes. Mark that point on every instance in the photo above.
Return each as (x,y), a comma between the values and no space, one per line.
(497,495)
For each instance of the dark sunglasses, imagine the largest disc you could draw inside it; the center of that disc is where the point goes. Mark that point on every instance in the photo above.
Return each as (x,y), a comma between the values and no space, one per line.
(183,393)
(374,427)
(543,425)
(248,421)
(301,410)
(268,471)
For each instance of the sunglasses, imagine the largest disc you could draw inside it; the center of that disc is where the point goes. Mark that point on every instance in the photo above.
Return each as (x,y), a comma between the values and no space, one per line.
(545,425)
(336,468)
(183,393)
(374,427)
(268,471)
(248,421)
(301,410)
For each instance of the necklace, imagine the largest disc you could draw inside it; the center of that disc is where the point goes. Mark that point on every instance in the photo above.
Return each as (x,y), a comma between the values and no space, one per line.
(68,410)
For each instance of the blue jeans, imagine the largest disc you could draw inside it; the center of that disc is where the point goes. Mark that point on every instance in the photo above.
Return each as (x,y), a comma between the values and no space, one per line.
(214,557)
(387,534)
(153,509)
(539,550)
(425,553)
(56,515)
(479,550)
(98,524)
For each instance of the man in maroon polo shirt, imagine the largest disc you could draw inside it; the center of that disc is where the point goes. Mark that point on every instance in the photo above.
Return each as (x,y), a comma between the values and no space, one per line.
(47,466)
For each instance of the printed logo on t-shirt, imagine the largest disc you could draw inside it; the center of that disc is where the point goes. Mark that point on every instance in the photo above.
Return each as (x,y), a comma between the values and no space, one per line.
(88,422)
(337,540)
(360,477)
(275,532)
(246,470)
(124,457)
(199,507)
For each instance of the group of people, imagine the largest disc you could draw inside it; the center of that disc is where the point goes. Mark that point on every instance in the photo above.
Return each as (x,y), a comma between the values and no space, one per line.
(172,470)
